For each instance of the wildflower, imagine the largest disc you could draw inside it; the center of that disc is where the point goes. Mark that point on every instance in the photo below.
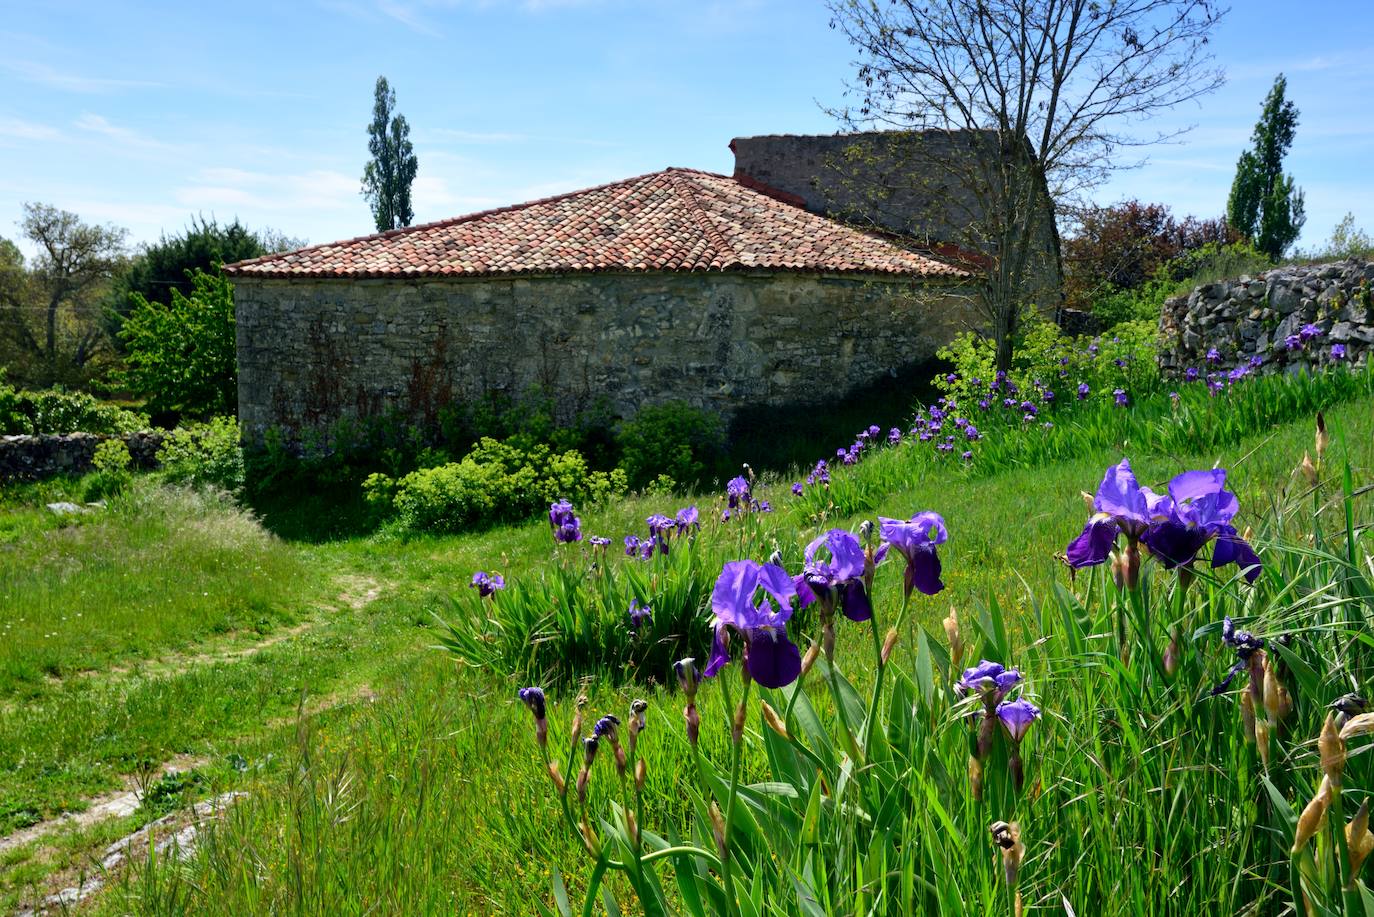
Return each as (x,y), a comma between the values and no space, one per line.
(1246,646)
(1213,355)
(1120,395)
(486,584)
(737,491)
(989,680)
(659,525)
(1191,374)
(1323,439)
(599,542)
(589,747)
(770,658)
(1308,332)
(1292,342)
(763,506)
(632,545)
(639,614)
(966,455)
(1016,717)
(837,581)
(533,698)
(972,434)
(1083,390)
(1121,507)
(797,489)
(1256,361)
(567,528)
(1338,351)
(916,540)
(894,436)
(1199,510)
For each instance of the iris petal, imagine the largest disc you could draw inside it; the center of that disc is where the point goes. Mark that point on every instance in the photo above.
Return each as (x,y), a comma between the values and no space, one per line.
(923,572)
(1093,545)
(773,660)
(855,602)
(720,653)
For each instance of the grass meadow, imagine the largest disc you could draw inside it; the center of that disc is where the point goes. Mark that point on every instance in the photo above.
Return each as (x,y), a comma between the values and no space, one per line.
(386,776)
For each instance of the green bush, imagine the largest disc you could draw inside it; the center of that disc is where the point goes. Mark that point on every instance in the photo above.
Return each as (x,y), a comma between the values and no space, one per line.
(59,411)
(673,439)
(495,482)
(1177,277)
(203,455)
(111,475)
(182,356)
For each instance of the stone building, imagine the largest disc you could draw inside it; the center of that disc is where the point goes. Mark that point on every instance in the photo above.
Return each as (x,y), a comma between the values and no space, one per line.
(677,285)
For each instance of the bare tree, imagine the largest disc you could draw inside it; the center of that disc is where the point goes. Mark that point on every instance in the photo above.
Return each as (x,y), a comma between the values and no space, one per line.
(1037,93)
(50,308)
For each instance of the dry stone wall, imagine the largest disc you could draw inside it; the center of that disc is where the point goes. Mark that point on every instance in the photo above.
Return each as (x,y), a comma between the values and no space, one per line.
(1282,320)
(312,352)
(35,458)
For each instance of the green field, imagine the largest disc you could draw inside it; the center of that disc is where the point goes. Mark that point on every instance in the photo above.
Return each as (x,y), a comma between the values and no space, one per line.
(385,777)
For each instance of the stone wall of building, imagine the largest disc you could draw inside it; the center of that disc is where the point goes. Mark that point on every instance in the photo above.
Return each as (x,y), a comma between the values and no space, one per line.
(920,184)
(314,351)
(1265,315)
(36,458)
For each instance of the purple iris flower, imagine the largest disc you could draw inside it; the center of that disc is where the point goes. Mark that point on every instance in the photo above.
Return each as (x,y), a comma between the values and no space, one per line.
(1190,374)
(760,621)
(971,433)
(797,488)
(639,614)
(874,430)
(1244,643)
(486,584)
(966,456)
(534,699)
(1017,716)
(567,528)
(1047,395)
(1292,342)
(1308,332)
(1121,506)
(1199,510)
(763,506)
(632,544)
(835,577)
(688,519)
(646,548)
(1237,374)
(738,491)
(1338,351)
(1120,396)
(916,539)
(659,524)
(599,542)
(1256,361)
(936,415)
(989,679)
(894,436)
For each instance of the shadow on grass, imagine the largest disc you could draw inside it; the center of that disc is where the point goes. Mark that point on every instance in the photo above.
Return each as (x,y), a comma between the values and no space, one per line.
(315,512)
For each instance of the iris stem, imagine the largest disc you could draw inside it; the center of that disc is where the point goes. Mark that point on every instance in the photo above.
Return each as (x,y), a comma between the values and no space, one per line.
(735,759)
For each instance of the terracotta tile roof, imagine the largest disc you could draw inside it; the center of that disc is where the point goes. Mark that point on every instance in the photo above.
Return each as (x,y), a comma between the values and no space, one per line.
(674,220)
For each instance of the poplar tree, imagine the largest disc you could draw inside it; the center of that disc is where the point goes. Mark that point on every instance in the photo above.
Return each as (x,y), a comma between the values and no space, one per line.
(1265,205)
(391,171)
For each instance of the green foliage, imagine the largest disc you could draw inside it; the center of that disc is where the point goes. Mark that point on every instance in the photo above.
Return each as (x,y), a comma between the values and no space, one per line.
(675,439)
(496,482)
(1177,277)
(536,414)
(60,411)
(1347,241)
(1265,205)
(170,263)
(204,455)
(111,461)
(391,171)
(182,356)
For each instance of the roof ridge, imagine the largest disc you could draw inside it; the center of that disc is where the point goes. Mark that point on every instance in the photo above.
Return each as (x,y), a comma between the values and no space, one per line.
(717,239)
(464,218)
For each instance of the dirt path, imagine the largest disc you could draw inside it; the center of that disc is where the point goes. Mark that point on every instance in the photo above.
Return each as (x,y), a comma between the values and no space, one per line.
(356,592)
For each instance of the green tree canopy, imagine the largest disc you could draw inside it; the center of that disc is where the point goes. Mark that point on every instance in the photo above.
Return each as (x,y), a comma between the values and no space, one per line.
(181,355)
(168,263)
(1265,205)
(391,171)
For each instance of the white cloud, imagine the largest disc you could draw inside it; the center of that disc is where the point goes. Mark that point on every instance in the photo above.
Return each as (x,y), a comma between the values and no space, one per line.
(224,189)
(128,139)
(17,129)
(45,75)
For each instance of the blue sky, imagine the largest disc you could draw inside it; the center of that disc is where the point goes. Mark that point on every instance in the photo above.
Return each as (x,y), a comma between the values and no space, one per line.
(142,114)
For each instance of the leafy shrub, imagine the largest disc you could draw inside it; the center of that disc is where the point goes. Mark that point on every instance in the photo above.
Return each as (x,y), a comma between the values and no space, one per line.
(205,454)
(59,411)
(496,482)
(111,461)
(672,439)
(1177,277)
(182,356)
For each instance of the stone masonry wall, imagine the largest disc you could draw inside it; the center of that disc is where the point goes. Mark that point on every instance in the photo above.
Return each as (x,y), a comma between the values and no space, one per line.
(314,351)
(1261,316)
(35,458)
